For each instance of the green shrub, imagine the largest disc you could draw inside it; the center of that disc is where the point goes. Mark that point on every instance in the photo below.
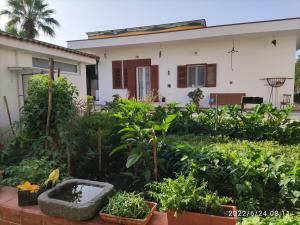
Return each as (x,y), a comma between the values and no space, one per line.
(34,112)
(184,194)
(259,175)
(32,170)
(130,205)
(285,220)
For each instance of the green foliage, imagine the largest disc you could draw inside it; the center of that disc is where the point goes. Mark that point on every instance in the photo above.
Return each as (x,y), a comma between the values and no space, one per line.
(130,205)
(263,122)
(184,194)
(196,96)
(32,170)
(287,219)
(34,113)
(138,133)
(259,175)
(30,16)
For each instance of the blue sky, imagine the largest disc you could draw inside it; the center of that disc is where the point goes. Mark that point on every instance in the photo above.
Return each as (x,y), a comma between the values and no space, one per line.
(80,16)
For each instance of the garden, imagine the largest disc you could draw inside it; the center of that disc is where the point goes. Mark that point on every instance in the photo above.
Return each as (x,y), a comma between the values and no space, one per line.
(188,160)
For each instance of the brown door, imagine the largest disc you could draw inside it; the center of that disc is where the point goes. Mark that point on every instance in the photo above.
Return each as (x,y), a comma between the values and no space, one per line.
(130,67)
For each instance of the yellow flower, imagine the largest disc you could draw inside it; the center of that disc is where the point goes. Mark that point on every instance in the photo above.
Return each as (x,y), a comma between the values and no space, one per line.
(54,175)
(27,186)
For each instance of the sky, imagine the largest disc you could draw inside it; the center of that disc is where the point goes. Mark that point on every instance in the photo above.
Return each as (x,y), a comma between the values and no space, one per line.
(80,16)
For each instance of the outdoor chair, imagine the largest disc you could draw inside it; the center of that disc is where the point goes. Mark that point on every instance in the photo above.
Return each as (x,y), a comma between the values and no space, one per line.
(285,101)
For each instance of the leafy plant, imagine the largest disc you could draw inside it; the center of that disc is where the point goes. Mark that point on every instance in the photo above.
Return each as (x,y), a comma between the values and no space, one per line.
(259,175)
(196,96)
(130,205)
(33,170)
(287,219)
(184,194)
(138,137)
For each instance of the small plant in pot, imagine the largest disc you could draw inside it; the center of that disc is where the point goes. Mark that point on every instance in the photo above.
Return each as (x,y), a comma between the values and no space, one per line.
(196,96)
(28,193)
(189,203)
(128,209)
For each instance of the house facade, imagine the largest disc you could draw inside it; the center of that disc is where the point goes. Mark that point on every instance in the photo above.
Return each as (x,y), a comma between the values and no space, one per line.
(21,58)
(170,60)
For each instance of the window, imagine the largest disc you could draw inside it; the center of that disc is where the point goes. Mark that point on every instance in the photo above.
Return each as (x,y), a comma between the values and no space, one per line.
(44,63)
(196,75)
(200,75)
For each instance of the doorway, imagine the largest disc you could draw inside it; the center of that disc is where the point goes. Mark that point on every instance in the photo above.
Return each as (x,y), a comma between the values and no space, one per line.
(143,82)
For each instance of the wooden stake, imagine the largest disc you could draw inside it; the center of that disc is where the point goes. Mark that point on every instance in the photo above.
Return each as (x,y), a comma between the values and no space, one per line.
(69,161)
(51,77)
(58,72)
(100,151)
(154,150)
(8,113)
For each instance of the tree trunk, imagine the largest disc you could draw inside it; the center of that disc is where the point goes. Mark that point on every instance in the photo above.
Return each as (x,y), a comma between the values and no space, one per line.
(99,133)
(8,114)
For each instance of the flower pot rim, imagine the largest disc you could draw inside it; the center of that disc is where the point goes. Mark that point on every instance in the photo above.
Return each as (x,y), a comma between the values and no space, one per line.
(232,207)
(113,218)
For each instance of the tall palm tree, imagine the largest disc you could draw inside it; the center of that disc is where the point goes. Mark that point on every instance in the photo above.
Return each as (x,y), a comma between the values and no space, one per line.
(28,17)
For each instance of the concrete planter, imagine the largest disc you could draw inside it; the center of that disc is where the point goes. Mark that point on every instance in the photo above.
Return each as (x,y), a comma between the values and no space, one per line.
(191,218)
(78,211)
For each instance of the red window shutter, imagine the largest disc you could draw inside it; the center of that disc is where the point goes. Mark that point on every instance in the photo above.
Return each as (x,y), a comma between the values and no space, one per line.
(211,75)
(154,82)
(117,74)
(181,77)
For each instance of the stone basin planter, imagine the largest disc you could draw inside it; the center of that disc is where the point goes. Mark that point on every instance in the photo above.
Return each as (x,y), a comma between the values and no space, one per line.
(75,199)
(192,218)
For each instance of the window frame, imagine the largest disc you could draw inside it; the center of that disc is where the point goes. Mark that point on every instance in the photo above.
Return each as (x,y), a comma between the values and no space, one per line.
(196,74)
(55,61)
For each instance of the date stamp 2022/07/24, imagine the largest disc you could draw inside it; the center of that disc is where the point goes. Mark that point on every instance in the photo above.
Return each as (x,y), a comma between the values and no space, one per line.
(260,213)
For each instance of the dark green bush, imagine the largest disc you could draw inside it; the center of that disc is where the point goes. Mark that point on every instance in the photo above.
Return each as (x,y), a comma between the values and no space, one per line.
(258,175)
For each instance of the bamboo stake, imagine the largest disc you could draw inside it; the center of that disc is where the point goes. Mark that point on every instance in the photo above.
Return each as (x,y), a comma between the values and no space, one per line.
(68,160)
(99,132)
(51,77)
(154,149)
(8,113)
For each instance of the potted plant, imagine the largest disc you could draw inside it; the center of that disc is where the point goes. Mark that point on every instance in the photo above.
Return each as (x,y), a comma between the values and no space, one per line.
(28,193)
(189,203)
(128,209)
(196,96)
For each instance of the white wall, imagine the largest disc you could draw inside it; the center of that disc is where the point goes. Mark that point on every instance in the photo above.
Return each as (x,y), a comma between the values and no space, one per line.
(11,81)
(257,58)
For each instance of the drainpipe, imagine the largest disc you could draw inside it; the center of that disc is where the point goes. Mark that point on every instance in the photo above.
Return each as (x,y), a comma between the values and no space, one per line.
(97,73)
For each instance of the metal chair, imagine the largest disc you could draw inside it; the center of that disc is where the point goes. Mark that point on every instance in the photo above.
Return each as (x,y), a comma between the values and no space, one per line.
(285,101)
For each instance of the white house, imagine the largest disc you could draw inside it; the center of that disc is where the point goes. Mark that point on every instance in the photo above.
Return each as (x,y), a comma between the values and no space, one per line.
(172,59)
(20,58)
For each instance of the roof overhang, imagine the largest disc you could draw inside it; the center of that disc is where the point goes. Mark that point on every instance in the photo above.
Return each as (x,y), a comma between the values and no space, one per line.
(260,27)
(46,49)
(27,70)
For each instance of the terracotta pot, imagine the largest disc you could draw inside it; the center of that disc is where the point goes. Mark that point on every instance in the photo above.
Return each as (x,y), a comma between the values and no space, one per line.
(191,218)
(129,221)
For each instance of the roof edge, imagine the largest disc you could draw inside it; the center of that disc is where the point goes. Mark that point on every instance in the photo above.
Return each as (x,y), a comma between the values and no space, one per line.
(207,27)
(48,45)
